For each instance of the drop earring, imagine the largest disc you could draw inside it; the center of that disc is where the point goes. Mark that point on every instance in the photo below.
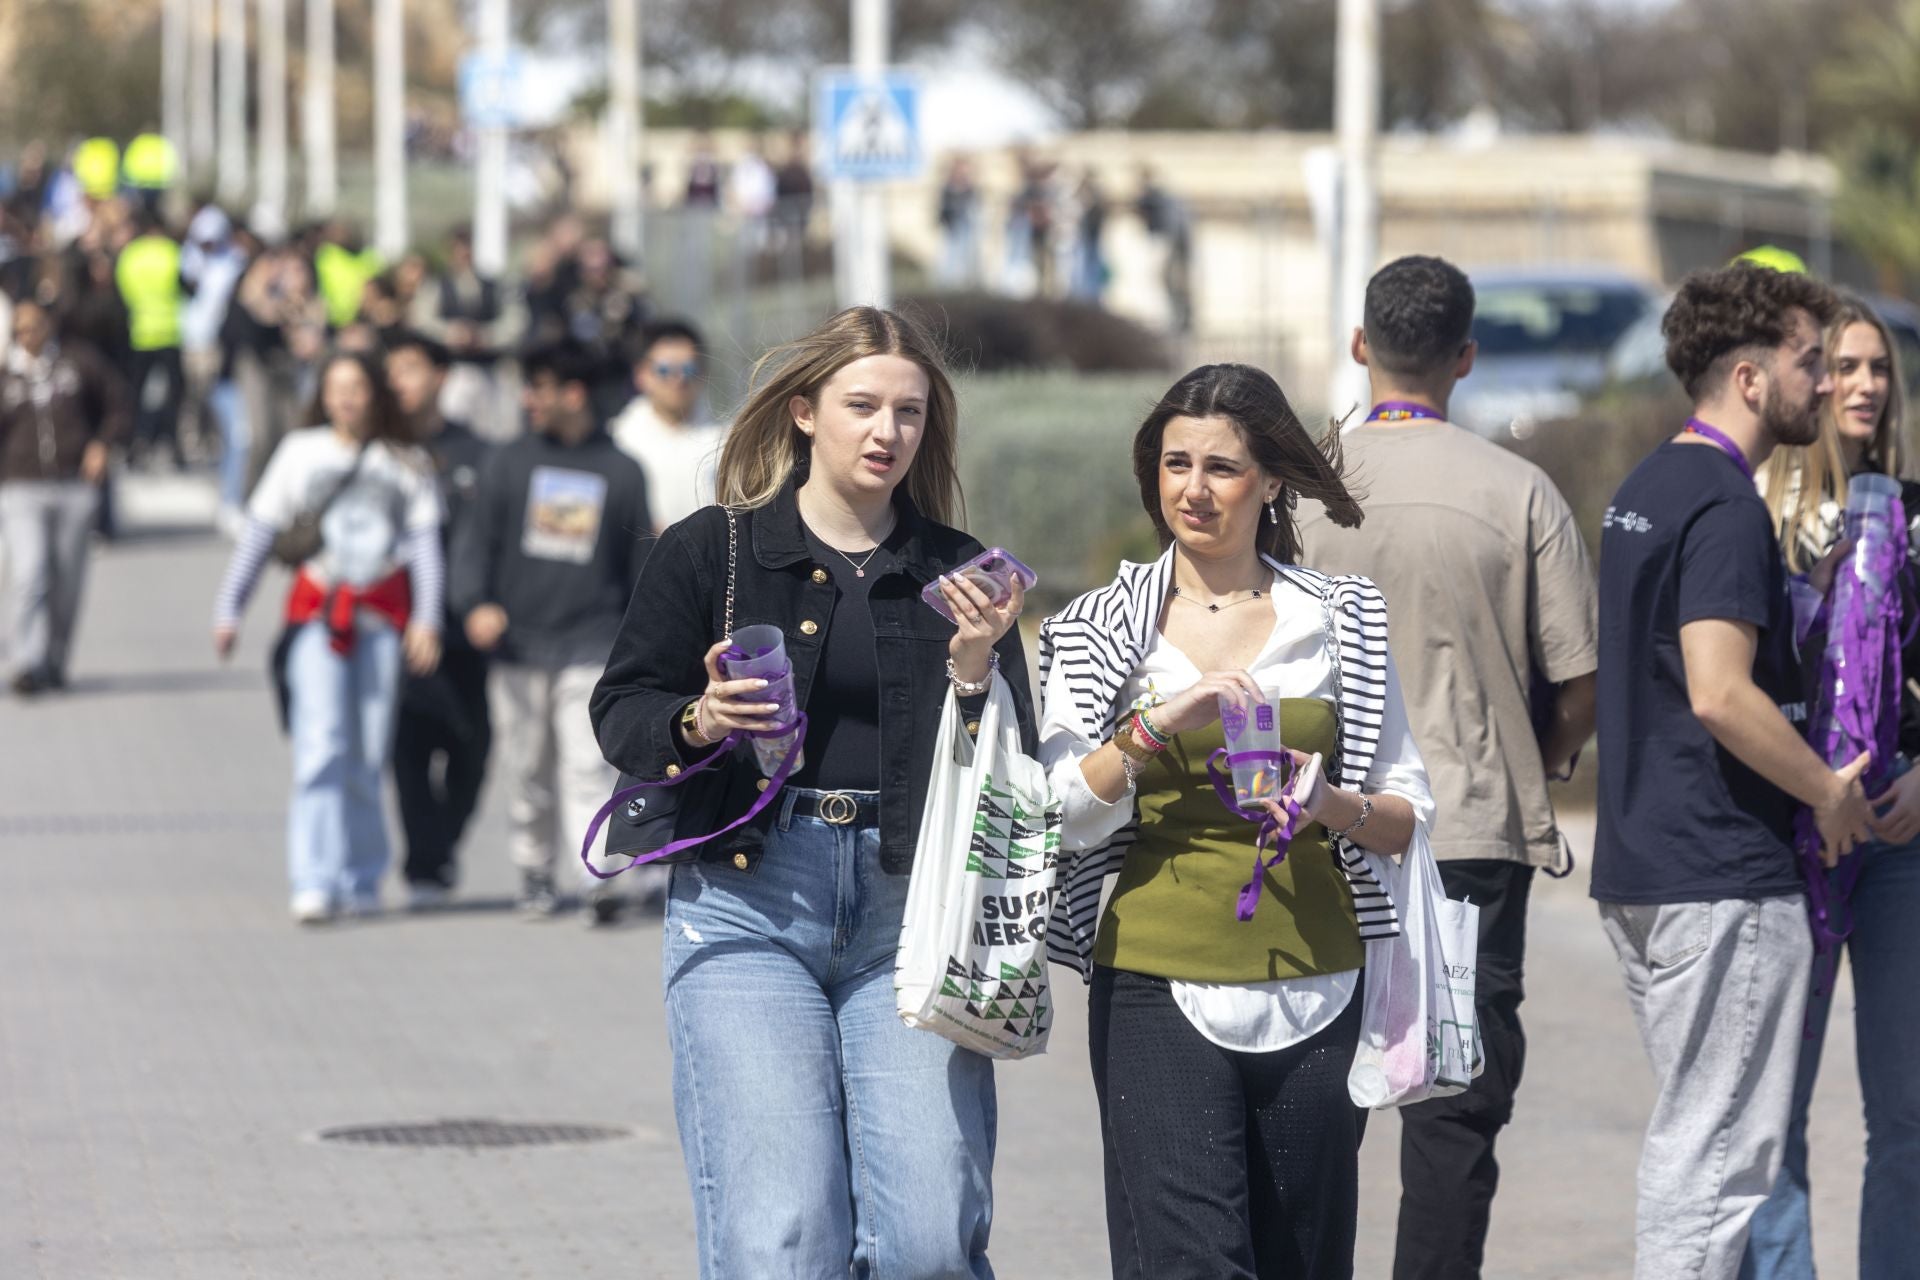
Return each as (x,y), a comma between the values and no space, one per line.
(1273,516)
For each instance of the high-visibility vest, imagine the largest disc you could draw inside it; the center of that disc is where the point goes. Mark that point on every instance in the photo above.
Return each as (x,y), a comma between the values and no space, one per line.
(148,274)
(149,163)
(96,166)
(343,277)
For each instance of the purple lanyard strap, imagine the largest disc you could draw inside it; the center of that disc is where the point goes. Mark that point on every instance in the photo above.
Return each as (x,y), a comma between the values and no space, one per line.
(1401,411)
(726,745)
(1279,833)
(1707,431)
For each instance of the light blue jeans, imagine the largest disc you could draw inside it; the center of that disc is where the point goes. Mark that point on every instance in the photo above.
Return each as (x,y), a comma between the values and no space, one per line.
(1884,950)
(342,721)
(236,442)
(822,1136)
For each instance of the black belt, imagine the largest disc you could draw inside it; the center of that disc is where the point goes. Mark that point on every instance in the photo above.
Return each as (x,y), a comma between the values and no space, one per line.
(838,808)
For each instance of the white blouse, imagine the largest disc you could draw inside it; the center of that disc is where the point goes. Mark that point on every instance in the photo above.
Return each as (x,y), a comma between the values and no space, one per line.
(1296,662)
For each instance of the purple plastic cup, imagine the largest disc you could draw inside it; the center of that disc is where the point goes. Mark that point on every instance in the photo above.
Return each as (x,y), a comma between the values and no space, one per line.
(760,653)
(1254,753)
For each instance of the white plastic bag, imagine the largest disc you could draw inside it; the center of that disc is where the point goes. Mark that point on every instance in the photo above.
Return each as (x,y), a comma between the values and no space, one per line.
(972,964)
(1418,1037)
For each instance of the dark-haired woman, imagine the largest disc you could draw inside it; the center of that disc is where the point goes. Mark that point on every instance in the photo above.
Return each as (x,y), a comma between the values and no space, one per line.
(371,590)
(1221,1046)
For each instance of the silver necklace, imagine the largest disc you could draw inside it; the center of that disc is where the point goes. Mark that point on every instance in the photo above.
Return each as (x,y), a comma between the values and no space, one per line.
(859,566)
(1216,606)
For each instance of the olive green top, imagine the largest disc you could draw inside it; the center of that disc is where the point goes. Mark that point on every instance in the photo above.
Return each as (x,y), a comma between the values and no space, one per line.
(1172,909)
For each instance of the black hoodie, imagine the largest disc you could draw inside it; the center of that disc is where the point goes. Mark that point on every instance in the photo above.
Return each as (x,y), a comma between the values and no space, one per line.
(554,537)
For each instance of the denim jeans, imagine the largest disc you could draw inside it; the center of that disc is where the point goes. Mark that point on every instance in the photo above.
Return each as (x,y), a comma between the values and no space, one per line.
(44,526)
(1719,991)
(341,721)
(236,442)
(822,1136)
(1884,950)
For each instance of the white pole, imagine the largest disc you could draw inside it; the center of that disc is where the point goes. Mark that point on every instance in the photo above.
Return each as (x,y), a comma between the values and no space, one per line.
(270,207)
(233,101)
(316,124)
(200,98)
(389,129)
(1357,128)
(866,279)
(175,18)
(624,72)
(490,171)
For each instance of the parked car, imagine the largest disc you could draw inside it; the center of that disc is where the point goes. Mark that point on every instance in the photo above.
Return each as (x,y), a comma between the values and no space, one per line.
(1545,336)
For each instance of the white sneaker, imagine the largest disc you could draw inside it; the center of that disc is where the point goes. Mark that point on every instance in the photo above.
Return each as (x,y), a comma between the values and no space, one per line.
(312,906)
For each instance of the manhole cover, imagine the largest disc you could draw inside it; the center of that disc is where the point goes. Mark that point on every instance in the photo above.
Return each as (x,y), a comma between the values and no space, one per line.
(471,1134)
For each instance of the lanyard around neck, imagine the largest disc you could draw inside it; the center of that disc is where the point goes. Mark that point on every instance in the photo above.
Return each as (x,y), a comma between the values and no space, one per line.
(1401,411)
(1714,435)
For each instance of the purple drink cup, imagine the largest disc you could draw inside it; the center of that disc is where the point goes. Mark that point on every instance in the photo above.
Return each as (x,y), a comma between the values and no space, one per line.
(760,653)
(1254,753)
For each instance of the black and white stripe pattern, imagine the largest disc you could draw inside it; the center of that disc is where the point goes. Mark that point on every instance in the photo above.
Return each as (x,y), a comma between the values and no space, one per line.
(1098,641)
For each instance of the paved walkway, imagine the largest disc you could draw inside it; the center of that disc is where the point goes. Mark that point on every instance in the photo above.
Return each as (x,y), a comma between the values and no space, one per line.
(170,1044)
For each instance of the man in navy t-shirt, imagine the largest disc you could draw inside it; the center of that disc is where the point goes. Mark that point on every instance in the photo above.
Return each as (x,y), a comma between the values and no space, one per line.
(1704,766)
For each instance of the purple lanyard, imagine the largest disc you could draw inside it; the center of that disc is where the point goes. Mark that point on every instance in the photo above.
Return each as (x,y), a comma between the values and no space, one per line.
(1280,834)
(1709,432)
(1401,411)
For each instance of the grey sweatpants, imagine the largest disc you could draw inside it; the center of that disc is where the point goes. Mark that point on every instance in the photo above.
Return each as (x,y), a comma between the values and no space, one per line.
(45,525)
(1719,990)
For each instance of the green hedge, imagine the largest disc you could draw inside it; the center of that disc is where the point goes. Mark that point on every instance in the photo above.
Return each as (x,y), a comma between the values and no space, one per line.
(1045,459)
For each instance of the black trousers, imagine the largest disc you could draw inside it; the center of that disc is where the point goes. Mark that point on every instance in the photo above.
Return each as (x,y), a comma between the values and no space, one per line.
(440,761)
(159,424)
(1222,1165)
(1447,1171)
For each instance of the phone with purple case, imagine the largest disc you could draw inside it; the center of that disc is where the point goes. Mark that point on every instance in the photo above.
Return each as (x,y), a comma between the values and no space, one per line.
(993,571)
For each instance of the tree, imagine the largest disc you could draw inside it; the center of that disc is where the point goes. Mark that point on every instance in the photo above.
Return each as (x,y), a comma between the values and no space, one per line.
(1869,90)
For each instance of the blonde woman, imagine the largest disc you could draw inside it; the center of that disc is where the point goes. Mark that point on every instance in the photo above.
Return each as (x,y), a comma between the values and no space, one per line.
(1862,429)
(820,1133)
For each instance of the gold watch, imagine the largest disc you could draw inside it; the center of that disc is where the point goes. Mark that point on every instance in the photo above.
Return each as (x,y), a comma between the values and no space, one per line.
(690,722)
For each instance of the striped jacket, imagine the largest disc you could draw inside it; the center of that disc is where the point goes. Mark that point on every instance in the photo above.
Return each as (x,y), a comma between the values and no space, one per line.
(1099,640)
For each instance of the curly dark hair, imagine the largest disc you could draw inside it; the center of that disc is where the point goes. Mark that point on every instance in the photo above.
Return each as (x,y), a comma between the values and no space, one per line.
(1280,444)
(1719,314)
(1418,315)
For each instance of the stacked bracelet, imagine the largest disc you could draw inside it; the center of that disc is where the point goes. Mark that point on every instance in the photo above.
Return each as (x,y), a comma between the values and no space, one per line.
(970,688)
(1150,736)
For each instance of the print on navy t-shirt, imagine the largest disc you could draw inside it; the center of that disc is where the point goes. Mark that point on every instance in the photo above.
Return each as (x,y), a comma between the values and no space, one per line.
(1681,820)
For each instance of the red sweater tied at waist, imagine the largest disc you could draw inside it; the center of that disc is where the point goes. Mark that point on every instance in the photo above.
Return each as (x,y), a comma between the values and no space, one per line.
(391,598)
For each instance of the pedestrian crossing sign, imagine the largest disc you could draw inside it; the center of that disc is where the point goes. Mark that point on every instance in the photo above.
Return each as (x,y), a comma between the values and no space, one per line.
(866,127)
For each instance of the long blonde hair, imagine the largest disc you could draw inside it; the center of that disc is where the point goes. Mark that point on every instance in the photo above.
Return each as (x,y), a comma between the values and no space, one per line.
(1798,479)
(765,446)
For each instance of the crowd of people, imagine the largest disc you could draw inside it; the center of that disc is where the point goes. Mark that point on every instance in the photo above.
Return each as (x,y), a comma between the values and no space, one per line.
(1420,604)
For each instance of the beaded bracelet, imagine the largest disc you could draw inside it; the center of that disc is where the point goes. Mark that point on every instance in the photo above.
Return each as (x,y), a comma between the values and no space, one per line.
(1156,739)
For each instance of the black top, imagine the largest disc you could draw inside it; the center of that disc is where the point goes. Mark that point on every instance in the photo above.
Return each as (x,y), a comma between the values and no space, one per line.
(1686,539)
(843,708)
(554,536)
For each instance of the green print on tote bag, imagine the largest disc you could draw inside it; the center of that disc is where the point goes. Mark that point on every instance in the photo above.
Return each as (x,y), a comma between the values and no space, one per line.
(972,964)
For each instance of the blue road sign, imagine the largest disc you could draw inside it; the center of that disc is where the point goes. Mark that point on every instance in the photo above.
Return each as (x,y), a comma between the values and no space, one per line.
(867,128)
(490,89)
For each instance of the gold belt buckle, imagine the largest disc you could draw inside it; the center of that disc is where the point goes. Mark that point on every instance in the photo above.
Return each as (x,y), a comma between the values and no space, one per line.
(838,808)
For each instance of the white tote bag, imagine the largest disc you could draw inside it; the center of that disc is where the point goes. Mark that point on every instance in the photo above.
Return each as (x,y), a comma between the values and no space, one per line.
(1418,1036)
(972,964)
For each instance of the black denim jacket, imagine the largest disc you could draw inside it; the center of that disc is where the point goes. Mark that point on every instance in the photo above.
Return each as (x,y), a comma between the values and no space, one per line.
(677,613)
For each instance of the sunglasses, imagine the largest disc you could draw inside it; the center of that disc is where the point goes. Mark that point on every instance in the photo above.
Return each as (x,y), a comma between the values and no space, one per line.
(689,370)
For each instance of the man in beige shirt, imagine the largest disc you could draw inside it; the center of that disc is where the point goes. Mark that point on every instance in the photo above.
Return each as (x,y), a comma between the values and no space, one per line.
(1494,633)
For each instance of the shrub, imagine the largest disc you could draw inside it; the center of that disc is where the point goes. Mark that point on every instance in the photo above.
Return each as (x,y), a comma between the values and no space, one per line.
(986,333)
